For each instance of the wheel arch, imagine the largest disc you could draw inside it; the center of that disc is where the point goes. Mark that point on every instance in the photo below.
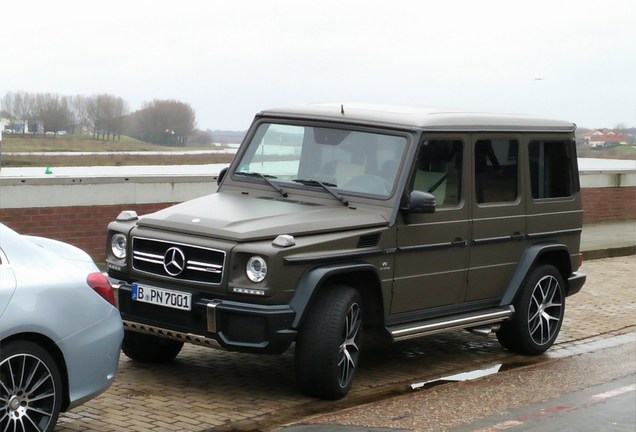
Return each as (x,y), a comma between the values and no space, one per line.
(361,276)
(552,253)
(54,351)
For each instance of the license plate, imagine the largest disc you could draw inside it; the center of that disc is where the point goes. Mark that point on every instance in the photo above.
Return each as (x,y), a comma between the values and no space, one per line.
(162,297)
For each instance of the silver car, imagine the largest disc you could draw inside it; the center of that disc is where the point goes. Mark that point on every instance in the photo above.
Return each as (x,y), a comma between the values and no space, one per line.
(60,334)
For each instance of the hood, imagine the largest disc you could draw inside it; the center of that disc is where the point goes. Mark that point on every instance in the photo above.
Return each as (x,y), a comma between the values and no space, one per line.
(241,218)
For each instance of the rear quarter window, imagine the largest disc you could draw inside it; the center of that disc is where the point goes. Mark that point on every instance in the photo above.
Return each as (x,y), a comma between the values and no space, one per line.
(551,169)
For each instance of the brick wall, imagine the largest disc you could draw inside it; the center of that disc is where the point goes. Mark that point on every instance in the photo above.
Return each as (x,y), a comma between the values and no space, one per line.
(85,226)
(608,204)
(82,226)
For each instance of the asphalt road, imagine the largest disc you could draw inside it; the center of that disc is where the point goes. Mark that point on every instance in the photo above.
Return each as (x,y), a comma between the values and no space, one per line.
(606,407)
(592,391)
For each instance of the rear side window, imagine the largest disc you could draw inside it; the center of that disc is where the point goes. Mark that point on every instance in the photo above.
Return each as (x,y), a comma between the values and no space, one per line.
(496,170)
(551,172)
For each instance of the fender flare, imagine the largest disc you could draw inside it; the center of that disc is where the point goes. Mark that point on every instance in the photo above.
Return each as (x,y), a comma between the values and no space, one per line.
(526,262)
(314,277)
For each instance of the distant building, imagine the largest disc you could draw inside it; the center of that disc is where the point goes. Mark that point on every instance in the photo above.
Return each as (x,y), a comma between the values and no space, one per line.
(17,126)
(4,123)
(603,138)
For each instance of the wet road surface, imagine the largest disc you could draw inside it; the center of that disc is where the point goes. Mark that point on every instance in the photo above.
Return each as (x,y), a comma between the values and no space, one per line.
(206,389)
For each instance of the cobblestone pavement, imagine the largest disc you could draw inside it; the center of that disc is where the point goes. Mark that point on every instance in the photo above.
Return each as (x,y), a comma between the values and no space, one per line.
(206,389)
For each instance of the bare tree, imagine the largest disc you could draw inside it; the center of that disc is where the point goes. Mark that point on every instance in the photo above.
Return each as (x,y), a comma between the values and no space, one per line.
(166,122)
(54,111)
(79,106)
(119,112)
(9,108)
(108,114)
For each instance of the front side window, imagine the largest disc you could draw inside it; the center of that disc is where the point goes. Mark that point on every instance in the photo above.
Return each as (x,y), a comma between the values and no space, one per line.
(551,172)
(348,160)
(439,171)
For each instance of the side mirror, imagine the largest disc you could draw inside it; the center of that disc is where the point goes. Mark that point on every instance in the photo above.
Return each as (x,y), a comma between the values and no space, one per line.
(420,202)
(219,179)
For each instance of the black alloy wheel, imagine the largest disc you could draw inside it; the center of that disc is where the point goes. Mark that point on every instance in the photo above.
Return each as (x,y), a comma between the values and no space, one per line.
(328,345)
(539,311)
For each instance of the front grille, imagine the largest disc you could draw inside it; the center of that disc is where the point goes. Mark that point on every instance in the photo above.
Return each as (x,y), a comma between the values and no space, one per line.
(177,261)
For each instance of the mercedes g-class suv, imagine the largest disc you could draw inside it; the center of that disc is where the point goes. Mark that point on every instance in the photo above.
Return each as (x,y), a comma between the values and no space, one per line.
(334,220)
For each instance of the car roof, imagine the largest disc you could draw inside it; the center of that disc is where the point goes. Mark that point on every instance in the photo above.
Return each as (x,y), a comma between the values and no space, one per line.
(419,118)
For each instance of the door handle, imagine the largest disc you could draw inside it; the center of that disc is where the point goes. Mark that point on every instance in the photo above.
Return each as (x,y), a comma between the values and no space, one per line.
(458,242)
(517,236)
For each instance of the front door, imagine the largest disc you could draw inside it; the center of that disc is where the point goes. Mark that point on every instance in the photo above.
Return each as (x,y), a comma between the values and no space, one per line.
(432,253)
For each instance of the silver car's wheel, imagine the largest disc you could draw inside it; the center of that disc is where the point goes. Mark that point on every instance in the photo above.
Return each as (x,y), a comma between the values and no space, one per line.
(30,388)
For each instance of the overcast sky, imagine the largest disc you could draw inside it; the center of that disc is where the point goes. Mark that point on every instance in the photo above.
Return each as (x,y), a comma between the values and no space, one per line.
(572,60)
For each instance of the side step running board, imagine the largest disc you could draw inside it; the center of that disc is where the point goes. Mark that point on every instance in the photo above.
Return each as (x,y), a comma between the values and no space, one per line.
(439,325)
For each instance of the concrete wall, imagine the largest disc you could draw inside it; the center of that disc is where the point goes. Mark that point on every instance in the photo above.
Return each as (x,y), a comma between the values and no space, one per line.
(77,209)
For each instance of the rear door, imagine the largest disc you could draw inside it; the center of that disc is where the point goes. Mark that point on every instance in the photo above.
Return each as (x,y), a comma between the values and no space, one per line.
(498,214)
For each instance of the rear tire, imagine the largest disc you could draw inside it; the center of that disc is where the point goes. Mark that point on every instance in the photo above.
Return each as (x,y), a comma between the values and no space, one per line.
(328,344)
(150,349)
(539,311)
(31,392)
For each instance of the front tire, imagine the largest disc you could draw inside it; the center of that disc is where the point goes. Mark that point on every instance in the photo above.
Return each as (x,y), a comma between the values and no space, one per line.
(539,311)
(31,391)
(150,349)
(328,345)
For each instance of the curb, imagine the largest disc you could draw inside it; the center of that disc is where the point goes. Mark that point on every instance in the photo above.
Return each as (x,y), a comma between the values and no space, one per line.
(595,254)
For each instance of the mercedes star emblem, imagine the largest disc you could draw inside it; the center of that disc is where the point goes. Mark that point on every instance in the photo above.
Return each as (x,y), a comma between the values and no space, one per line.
(174,261)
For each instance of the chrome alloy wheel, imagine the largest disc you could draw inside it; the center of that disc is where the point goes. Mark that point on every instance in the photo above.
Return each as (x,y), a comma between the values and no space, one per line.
(349,348)
(545,311)
(27,394)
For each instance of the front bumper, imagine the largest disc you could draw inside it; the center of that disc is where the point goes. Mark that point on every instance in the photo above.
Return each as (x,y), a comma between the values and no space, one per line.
(230,325)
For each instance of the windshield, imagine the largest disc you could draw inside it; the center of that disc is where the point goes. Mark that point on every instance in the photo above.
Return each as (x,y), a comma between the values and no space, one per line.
(347,160)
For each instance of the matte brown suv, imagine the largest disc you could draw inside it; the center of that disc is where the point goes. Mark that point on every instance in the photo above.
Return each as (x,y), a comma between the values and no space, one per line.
(336,220)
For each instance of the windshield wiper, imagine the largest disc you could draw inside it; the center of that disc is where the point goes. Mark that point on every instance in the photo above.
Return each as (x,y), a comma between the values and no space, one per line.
(267,178)
(326,186)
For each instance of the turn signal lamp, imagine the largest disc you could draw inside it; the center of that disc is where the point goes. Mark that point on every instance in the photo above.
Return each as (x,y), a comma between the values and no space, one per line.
(249,291)
(127,216)
(284,241)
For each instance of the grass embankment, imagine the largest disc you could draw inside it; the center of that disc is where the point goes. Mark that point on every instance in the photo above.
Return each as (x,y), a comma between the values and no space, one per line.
(82,143)
(618,152)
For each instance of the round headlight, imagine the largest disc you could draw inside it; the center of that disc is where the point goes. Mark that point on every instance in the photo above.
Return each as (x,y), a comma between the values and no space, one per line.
(256,269)
(118,245)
